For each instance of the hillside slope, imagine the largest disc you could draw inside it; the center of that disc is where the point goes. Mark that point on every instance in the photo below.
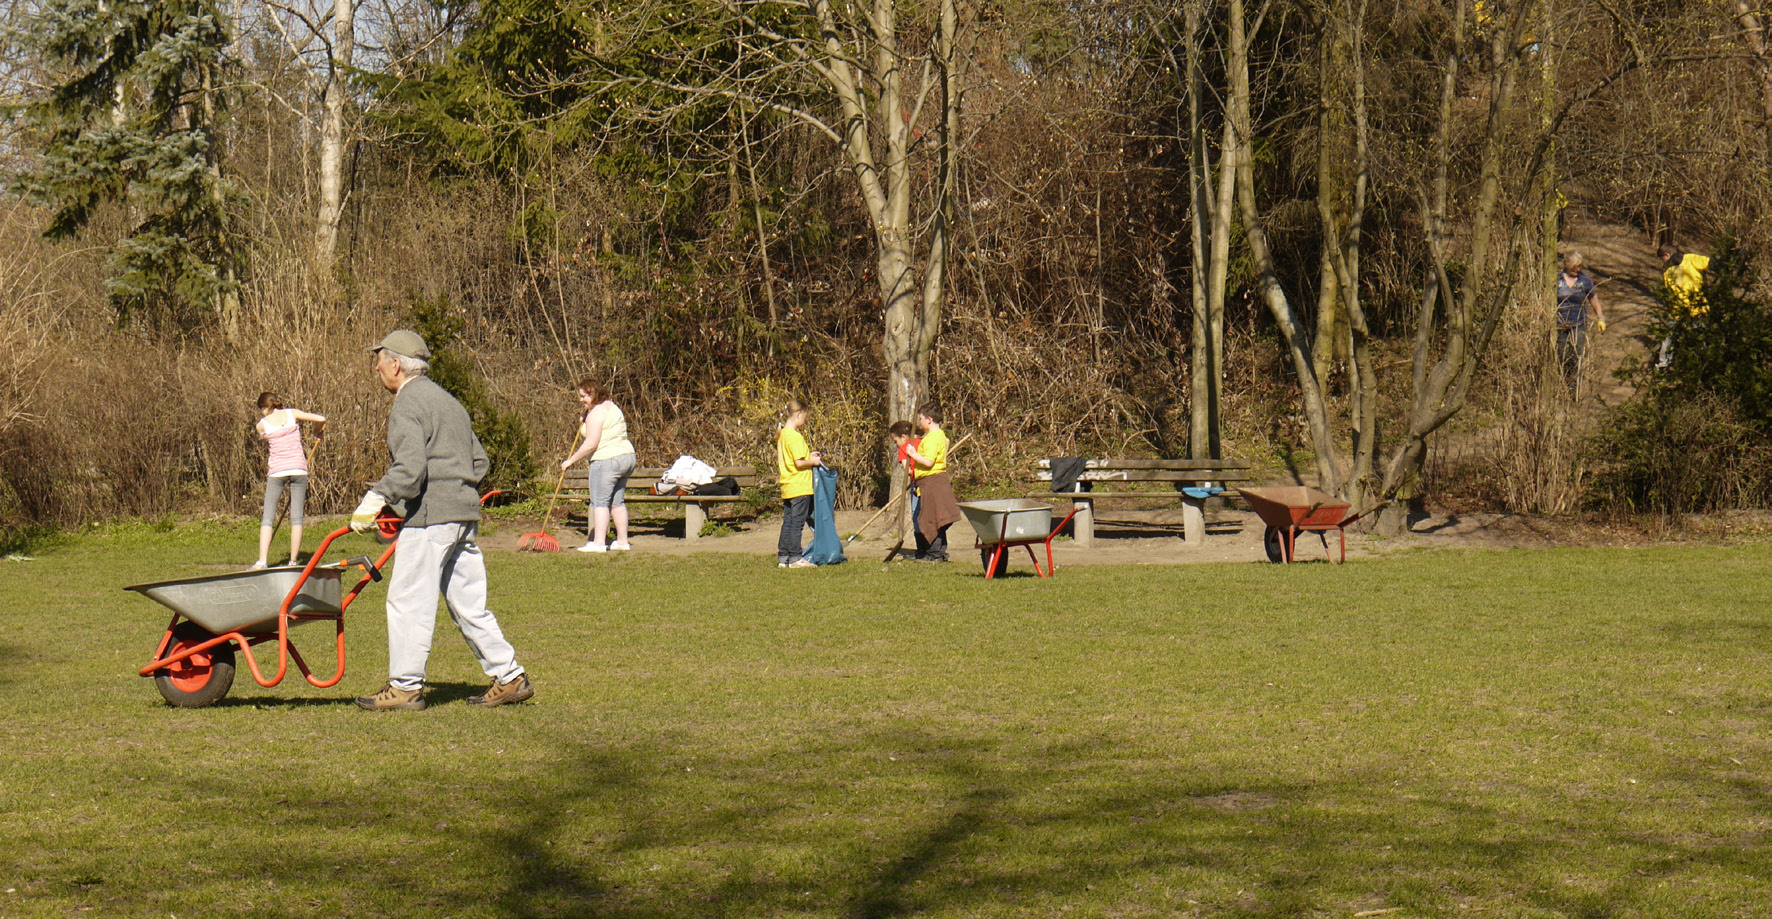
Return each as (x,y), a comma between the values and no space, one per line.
(1623,261)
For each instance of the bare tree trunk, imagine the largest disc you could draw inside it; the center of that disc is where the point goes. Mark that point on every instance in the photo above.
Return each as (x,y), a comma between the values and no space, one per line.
(1209,217)
(949,92)
(332,131)
(1330,474)
(228,301)
(750,164)
(912,316)
(1474,311)
(1334,165)
(1343,215)
(856,61)
(1753,32)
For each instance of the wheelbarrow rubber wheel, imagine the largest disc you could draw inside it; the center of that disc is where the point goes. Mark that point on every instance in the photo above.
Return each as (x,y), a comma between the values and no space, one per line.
(200,680)
(984,557)
(1274,542)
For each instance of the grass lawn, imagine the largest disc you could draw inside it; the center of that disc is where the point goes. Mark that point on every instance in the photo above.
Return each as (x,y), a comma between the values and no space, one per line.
(1496,734)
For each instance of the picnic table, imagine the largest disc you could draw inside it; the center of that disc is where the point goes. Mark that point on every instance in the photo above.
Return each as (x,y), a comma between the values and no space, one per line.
(1193,481)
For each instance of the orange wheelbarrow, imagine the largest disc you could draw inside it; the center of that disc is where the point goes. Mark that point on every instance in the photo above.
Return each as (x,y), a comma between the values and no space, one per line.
(1012,522)
(193,666)
(1292,509)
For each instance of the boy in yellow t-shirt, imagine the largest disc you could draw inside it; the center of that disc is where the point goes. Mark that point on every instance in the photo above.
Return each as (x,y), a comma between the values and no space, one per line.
(937,509)
(793,463)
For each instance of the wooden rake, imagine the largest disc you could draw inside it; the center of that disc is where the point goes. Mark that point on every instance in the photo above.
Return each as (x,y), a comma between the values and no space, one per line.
(540,541)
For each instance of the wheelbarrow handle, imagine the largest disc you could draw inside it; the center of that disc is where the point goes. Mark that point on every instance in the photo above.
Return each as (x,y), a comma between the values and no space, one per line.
(1061,523)
(1366,510)
(367,564)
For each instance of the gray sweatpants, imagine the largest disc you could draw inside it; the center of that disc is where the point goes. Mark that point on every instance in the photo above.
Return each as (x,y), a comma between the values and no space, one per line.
(441,560)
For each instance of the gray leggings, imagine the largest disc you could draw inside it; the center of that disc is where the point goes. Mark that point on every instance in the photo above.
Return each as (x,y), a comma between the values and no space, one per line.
(298,494)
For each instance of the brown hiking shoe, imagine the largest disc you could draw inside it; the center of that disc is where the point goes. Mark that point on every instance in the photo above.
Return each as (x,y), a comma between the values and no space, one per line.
(389,699)
(515,689)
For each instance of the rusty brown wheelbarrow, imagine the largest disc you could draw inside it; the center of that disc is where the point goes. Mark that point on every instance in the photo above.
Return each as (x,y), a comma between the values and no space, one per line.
(1292,509)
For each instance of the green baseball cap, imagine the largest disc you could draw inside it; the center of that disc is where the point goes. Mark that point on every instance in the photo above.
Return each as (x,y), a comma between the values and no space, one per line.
(404,341)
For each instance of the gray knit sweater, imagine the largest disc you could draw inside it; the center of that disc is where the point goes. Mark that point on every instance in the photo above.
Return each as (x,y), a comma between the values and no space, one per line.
(438,462)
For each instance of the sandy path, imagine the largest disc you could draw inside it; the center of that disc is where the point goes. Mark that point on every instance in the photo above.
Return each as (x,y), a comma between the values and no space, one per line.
(1622,260)
(1121,538)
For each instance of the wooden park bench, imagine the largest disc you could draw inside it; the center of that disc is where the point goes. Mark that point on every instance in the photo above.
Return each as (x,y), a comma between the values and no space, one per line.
(575,487)
(1193,481)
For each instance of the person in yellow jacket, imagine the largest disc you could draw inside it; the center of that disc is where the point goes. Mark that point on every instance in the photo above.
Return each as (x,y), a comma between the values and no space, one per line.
(1683,274)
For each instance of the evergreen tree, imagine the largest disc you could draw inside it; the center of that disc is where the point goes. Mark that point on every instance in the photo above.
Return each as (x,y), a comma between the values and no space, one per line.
(129,118)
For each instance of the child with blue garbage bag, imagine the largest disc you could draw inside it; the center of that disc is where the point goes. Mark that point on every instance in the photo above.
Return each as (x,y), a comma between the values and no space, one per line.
(794,462)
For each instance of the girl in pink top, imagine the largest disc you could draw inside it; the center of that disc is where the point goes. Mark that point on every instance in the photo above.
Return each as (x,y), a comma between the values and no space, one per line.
(281,429)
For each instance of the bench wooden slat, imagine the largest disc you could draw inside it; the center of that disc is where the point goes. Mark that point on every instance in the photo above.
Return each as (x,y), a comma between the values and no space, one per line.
(1109,495)
(578,475)
(1169,464)
(697,499)
(1153,475)
(638,482)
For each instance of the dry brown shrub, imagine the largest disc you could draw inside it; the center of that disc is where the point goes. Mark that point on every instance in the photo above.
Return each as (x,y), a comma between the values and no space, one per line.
(33,330)
(1539,448)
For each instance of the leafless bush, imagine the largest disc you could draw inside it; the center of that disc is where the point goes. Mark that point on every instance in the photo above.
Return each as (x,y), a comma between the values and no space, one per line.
(1540,447)
(32,332)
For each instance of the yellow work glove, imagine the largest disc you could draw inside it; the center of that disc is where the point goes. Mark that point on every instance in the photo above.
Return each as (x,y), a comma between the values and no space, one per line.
(363,518)
(1602,325)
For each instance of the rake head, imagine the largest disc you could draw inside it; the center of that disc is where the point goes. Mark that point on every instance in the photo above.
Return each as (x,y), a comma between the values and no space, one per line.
(537,542)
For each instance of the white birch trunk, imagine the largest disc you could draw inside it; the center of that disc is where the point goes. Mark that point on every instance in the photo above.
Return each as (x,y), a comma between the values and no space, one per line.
(332,132)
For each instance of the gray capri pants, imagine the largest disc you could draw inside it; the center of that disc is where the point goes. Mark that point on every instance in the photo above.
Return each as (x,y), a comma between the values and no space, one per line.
(298,495)
(608,479)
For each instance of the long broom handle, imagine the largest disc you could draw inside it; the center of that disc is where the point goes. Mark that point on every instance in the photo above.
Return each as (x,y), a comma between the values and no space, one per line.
(561,483)
(888,506)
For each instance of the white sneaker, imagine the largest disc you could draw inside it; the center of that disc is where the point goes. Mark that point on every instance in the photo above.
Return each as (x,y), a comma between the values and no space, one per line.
(620,547)
(802,563)
(593,547)
(257,566)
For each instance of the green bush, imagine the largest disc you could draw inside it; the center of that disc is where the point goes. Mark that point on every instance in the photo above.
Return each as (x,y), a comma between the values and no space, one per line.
(1681,453)
(512,462)
(1694,437)
(1724,349)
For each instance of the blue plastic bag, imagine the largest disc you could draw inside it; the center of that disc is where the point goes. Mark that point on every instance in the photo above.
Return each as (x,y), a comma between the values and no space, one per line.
(827,546)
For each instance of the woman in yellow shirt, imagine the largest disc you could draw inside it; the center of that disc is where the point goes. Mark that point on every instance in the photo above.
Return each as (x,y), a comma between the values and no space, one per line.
(793,464)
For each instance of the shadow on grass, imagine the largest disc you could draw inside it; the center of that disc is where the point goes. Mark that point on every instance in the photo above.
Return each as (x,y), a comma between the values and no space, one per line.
(900,822)
(435,693)
(12,662)
(236,700)
(23,541)
(994,836)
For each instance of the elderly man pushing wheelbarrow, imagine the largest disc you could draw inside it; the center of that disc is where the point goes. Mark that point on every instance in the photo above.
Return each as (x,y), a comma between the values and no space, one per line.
(434,479)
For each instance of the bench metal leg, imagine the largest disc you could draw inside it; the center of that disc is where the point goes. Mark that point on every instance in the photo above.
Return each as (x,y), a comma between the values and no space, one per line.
(694,516)
(1193,521)
(1083,523)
